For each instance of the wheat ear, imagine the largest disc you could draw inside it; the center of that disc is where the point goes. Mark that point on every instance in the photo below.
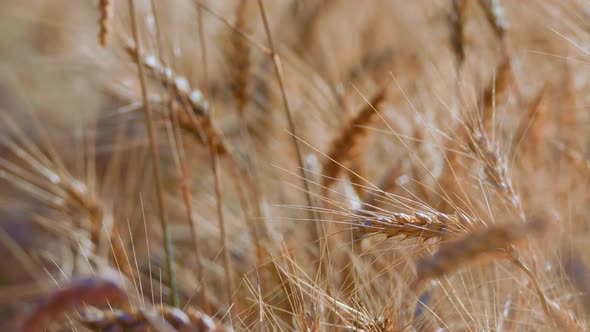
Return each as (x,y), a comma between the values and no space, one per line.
(495,168)
(198,118)
(187,197)
(422,226)
(347,144)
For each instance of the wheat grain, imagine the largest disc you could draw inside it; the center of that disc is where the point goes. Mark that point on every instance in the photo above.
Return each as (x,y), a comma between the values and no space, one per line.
(156,162)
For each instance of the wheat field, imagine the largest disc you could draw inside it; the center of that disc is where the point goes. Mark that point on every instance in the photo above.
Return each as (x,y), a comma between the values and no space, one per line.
(317,165)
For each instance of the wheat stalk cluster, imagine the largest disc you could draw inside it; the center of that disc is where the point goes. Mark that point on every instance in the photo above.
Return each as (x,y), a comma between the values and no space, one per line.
(321,165)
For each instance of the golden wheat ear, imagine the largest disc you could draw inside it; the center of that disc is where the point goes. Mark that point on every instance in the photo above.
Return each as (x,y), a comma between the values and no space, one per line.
(421,226)
(347,144)
(161,318)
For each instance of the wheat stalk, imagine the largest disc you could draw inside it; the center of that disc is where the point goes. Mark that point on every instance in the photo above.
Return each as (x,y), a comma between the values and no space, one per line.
(156,161)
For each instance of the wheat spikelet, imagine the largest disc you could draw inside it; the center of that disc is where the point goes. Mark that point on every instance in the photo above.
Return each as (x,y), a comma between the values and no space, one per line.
(106,15)
(495,168)
(141,318)
(201,128)
(185,95)
(168,78)
(345,147)
(187,198)
(417,225)
(155,156)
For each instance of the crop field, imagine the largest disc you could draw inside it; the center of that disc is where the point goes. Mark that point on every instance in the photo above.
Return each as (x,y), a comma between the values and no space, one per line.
(294,165)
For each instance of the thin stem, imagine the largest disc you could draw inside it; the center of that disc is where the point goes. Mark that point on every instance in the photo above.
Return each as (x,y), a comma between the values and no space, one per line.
(321,232)
(214,156)
(187,197)
(222,234)
(156,158)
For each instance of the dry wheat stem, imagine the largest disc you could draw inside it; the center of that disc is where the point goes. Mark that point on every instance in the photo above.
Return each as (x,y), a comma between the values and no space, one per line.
(68,191)
(156,161)
(229,283)
(187,197)
(213,142)
(168,78)
(322,241)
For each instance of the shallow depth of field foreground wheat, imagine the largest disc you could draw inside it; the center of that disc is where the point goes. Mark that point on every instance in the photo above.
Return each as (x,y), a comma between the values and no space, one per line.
(294,165)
